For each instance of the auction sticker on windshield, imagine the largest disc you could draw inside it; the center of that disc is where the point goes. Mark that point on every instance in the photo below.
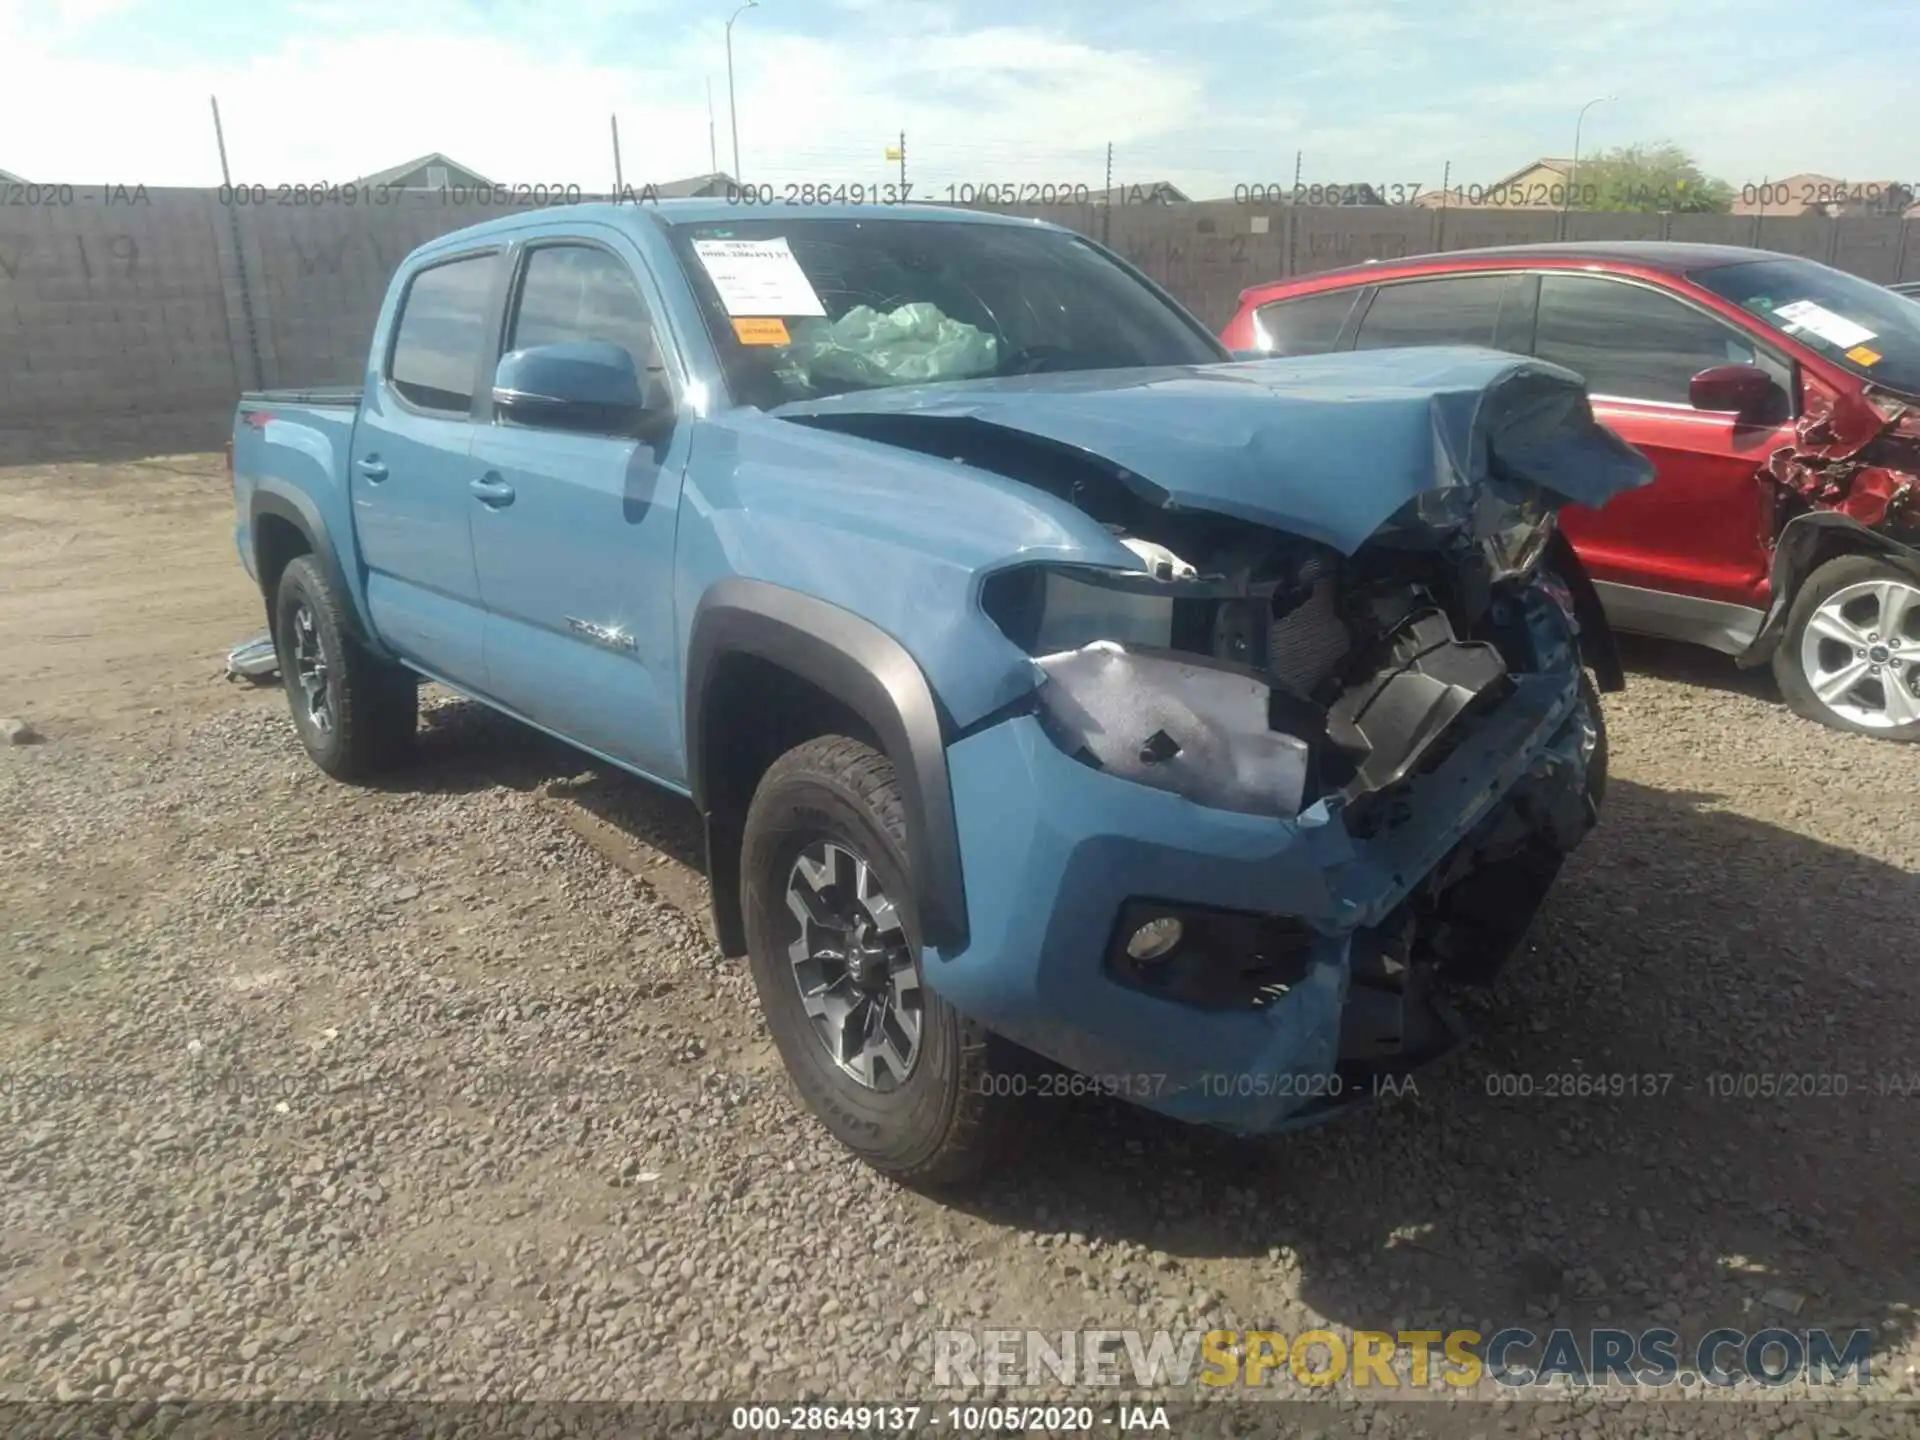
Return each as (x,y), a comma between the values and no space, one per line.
(762,331)
(1818,320)
(758,277)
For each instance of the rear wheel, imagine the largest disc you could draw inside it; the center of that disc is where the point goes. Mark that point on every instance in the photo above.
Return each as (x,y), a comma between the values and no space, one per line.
(355,713)
(898,1076)
(1850,655)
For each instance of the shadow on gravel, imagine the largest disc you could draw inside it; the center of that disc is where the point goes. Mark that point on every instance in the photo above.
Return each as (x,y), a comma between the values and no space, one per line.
(1685,948)
(1695,665)
(464,746)
(1690,960)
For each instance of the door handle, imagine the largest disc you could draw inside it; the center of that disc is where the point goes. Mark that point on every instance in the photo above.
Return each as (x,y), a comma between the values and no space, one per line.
(373,469)
(492,490)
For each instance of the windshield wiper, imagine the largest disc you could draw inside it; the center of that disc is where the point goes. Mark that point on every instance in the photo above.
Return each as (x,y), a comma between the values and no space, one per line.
(1032,359)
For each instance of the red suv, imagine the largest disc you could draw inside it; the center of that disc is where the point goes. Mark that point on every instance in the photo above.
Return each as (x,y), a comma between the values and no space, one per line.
(1778,399)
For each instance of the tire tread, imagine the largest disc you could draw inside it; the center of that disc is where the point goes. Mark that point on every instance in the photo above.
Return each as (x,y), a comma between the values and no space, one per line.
(376,706)
(975,1126)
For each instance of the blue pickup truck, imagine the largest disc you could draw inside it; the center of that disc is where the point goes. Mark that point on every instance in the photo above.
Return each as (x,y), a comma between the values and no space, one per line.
(1071,706)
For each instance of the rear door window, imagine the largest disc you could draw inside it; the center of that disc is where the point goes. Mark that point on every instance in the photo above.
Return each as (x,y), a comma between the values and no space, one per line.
(1447,310)
(1630,342)
(441,332)
(1309,325)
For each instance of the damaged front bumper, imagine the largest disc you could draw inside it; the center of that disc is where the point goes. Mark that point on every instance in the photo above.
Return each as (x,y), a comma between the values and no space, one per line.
(1338,929)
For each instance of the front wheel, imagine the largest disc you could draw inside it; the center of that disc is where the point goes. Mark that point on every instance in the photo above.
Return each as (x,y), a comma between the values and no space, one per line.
(898,1076)
(1850,655)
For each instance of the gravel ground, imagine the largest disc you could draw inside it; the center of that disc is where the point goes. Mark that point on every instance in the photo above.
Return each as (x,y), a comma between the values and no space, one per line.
(440,1090)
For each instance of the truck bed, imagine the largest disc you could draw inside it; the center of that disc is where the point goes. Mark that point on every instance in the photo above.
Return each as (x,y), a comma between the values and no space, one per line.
(344,396)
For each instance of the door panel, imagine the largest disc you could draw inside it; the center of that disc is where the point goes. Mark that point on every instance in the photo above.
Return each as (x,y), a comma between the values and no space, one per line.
(1700,529)
(576,568)
(577,572)
(409,472)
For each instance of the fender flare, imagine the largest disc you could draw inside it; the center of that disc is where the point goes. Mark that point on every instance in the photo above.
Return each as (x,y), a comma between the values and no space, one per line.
(299,511)
(1803,542)
(869,672)
(1597,646)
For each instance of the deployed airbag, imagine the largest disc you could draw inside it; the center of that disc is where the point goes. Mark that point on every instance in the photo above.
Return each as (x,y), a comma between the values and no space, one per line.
(1176,724)
(910,344)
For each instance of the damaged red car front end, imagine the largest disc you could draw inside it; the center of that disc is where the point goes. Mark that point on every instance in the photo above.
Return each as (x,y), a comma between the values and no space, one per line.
(1857,455)
(1778,399)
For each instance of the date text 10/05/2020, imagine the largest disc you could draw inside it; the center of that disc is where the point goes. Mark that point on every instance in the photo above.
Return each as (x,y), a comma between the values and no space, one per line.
(1886,1084)
(1875,197)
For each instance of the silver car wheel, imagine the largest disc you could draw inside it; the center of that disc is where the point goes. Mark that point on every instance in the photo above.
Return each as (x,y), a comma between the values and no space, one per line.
(855,971)
(1860,654)
(310,670)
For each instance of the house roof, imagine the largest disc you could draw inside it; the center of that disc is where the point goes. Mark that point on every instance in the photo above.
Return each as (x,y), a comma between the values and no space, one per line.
(1138,191)
(695,186)
(399,172)
(1802,194)
(10,178)
(1455,196)
(1558,167)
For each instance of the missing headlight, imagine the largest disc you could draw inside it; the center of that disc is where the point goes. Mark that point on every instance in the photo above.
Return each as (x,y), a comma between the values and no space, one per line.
(1174,722)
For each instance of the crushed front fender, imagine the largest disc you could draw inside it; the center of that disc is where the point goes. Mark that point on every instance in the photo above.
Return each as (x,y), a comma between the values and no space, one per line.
(1054,851)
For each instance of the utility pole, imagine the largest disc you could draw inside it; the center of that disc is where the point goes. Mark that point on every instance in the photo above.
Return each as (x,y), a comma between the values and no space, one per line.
(1573,170)
(733,115)
(713,148)
(619,179)
(1297,155)
(220,139)
(239,251)
(1106,198)
(903,165)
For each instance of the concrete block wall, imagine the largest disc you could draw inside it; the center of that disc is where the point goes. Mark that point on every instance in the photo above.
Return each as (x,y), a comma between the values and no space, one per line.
(112,308)
(178,301)
(317,277)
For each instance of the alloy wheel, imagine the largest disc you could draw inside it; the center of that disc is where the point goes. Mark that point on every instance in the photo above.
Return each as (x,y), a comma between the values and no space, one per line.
(310,670)
(854,969)
(1860,654)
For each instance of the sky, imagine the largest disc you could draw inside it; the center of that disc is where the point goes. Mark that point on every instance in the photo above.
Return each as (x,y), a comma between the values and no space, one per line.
(1211,94)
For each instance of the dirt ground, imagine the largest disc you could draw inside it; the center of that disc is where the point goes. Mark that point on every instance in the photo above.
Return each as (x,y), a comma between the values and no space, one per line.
(438,1088)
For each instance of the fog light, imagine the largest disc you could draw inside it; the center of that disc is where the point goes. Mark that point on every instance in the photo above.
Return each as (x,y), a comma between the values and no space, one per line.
(1156,939)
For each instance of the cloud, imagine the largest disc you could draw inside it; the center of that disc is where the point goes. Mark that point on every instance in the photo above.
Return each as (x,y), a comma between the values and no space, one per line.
(339,96)
(1210,95)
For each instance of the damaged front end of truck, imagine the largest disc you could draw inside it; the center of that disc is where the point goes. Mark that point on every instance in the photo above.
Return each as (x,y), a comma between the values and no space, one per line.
(1309,750)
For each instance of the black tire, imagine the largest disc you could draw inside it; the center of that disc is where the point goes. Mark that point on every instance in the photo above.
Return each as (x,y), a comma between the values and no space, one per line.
(371,708)
(1789,663)
(943,1122)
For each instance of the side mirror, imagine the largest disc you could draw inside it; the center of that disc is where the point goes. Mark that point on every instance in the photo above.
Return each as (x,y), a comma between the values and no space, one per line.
(1746,391)
(585,385)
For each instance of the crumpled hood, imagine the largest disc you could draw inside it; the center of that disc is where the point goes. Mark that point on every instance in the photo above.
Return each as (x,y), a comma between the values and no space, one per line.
(1329,447)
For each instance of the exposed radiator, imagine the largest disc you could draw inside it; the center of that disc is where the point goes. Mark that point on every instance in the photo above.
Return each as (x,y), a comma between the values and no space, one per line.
(1308,643)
